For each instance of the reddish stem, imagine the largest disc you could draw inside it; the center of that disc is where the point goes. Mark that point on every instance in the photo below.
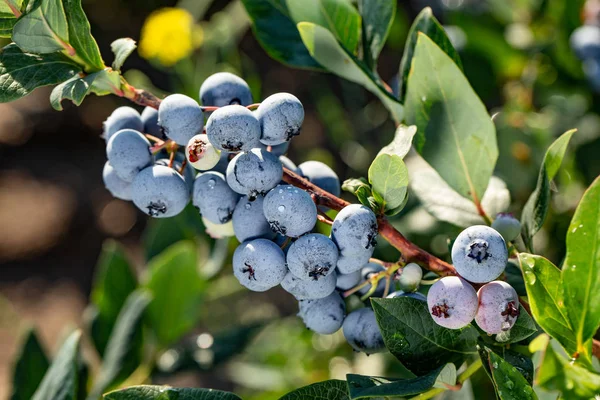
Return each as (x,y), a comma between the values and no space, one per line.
(253,106)
(324,219)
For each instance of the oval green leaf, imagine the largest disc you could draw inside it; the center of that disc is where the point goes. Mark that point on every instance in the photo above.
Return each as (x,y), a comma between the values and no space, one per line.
(388,177)
(327,390)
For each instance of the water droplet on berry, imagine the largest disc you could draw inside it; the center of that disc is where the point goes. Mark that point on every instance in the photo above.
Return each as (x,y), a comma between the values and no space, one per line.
(247,206)
(212,183)
(280,191)
(281,208)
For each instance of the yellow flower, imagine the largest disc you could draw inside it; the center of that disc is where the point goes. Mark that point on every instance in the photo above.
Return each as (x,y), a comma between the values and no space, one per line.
(169,35)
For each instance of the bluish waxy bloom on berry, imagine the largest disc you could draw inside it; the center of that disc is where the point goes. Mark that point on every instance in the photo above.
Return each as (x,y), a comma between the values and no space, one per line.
(498,307)
(290,211)
(225,89)
(362,332)
(479,254)
(309,289)
(254,172)
(160,191)
(233,129)
(180,118)
(122,118)
(249,221)
(213,197)
(259,264)
(324,316)
(354,230)
(280,116)
(312,257)
(128,152)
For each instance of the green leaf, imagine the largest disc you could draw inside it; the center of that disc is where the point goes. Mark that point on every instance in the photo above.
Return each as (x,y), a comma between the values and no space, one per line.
(325,49)
(344,20)
(61,379)
(536,208)
(427,24)
(557,373)
(388,177)
(77,88)
(444,203)
(177,292)
(377,19)
(546,299)
(509,383)
(29,369)
(147,392)
(81,38)
(113,283)
(327,390)
(455,134)
(7,23)
(43,29)
(402,142)
(5,8)
(122,48)
(21,73)
(125,346)
(580,273)
(277,33)
(367,387)
(353,184)
(416,340)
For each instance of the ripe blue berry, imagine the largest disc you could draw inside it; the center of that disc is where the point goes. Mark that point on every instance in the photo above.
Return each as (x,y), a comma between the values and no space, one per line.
(321,175)
(280,116)
(290,211)
(128,152)
(324,316)
(254,172)
(312,257)
(224,89)
(362,332)
(585,42)
(354,231)
(181,118)
(309,289)
(348,281)
(150,120)
(189,173)
(410,278)
(259,264)
(122,118)
(479,254)
(233,129)
(507,225)
(201,154)
(213,197)
(116,186)
(160,191)
(249,221)
(498,307)
(452,302)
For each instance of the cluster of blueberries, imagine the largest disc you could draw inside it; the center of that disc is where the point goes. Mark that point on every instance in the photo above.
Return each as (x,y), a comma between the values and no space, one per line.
(585,42)
(239,192)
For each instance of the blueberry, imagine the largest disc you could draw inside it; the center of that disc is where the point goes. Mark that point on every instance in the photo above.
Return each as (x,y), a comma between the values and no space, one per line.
(116,186)
(290,211)
(201,154)
(249,221)
(233,129)
(128,152)
(354,231)
(280,116)
(309,289)
(362,332)
(507,225)
(189,173)
(348,281)
(224,89)
(289,164)
(324,316)
(259,264)
(452,302)
(181,118)
(218,231)
(410,277)
(122,118)
(254,172)
(498,307)
(160,191)
(479,254)
(312,257)
(150,120)
(585,41)
(321,175)
(213,197)
(414,295)
(366,273)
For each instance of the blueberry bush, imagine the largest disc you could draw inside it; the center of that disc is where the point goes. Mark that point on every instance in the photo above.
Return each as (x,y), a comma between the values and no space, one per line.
(486,310)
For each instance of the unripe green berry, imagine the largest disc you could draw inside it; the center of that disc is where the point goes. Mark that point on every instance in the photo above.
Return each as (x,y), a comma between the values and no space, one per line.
(507,225)
(410,277)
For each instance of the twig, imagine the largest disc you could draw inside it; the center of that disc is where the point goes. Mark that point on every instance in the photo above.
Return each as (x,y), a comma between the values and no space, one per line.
(153,138)
(253,106)
(183,164)
(324,219)
(171,159)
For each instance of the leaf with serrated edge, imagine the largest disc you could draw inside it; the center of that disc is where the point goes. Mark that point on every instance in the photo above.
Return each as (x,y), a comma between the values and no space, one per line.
(81,38)
(30,368)
(44,29)
(61,379)
(124,346)
(122,48)
(325,49)
(149,392)
(581,269)
(455,133)
(402,142)
(327,390)
(413,337)
(536,208)
(389,179)
(377,19)
(21,73)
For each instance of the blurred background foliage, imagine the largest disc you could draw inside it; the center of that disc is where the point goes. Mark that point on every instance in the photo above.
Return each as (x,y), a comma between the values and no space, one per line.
(55,213)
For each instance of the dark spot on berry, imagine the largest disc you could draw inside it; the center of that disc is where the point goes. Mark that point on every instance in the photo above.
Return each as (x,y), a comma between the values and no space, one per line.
(235,101)
(478,250)
(231,146)
(371,237)
(511,311)
(276,227)
(319,271)
(156,208)
(249,270)
(440,310)
(290,133)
